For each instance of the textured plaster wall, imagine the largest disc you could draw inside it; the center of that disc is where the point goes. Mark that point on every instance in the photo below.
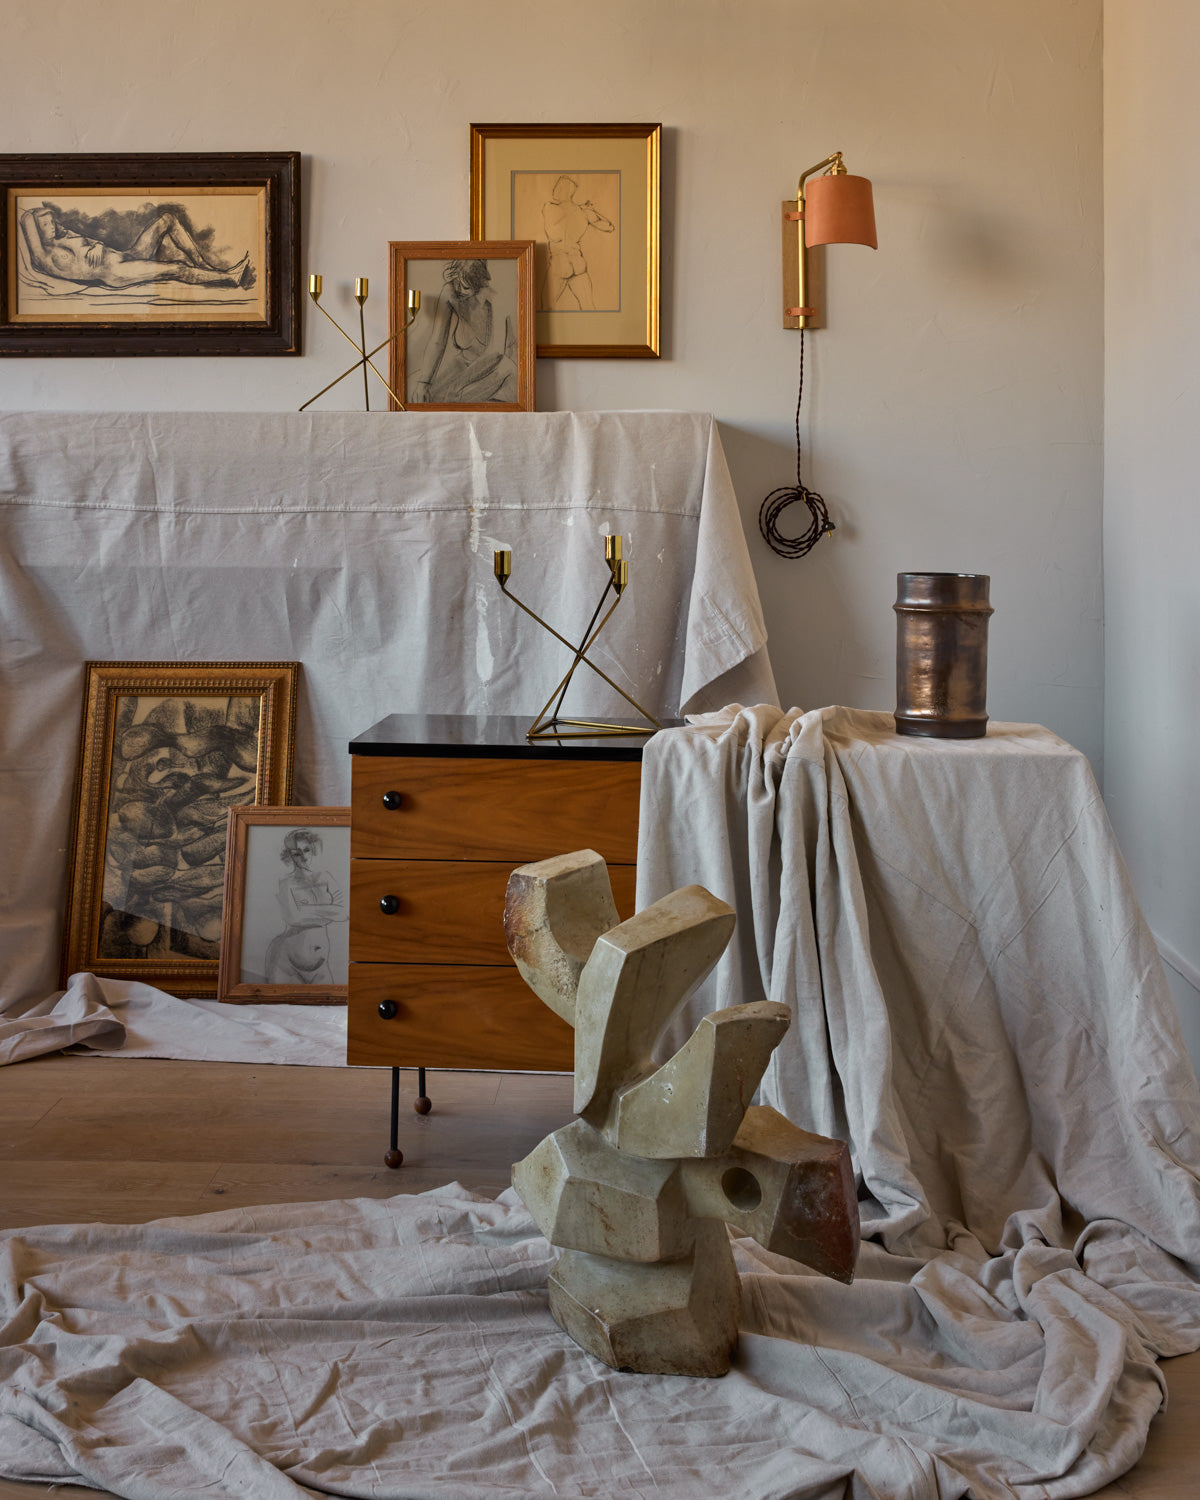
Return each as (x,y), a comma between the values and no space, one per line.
(954,400)
(1152,457)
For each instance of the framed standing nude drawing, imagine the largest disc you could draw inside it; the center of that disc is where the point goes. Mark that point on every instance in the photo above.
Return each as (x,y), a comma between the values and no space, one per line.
(470,346)
(287,920)
(150,254)
(165,751)
(588,196)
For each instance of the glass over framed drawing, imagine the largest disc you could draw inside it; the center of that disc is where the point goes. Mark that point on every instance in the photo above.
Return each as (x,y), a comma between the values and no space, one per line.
(150,254)
(588,196)
(470,344)
(165,751)
(286,932)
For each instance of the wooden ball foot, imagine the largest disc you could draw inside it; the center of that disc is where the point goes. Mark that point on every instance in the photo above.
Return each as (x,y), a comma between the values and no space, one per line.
(393,1158)
(422,1105)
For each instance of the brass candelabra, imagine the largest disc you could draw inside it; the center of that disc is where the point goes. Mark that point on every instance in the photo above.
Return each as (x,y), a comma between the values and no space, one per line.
(365,357)
(549,725)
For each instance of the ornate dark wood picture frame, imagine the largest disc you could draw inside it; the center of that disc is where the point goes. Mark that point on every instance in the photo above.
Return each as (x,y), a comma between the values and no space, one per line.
(150,254)
(166,749)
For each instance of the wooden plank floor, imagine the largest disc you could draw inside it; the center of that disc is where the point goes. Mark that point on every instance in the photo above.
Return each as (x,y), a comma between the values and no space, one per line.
(86,1139)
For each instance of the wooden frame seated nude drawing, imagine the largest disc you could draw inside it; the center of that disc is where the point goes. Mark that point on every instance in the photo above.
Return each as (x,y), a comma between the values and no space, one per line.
(470,346)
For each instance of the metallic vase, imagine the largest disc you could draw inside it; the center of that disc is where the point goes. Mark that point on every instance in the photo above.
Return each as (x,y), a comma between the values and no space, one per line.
(941,654)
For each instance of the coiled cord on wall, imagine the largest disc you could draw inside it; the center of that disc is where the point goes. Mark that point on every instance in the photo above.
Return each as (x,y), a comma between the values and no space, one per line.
(779,500)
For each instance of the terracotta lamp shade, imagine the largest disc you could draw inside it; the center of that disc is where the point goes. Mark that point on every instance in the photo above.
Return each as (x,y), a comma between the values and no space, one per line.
(839,210)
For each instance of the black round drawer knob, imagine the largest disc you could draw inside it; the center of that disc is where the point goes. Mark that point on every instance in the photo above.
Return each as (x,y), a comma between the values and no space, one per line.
(388,1009)
(391,800)
(389,905)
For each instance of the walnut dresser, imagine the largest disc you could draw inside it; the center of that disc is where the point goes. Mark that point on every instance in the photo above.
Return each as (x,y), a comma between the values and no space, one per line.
(444,807)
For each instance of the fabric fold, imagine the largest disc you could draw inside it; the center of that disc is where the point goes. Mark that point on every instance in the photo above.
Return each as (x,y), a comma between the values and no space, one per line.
(125,1019)
(75,1017)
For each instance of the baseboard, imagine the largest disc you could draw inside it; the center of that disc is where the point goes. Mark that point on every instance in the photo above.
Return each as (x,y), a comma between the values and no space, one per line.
(1175,960)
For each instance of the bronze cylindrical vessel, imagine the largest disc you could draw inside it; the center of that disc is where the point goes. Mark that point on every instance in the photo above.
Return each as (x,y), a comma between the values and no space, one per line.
(941,654)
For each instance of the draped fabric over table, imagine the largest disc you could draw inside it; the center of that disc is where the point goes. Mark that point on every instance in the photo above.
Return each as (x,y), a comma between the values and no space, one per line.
(361,546)
(979,1007)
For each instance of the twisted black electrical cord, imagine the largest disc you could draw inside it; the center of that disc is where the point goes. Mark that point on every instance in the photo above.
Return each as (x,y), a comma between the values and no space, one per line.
(778,500)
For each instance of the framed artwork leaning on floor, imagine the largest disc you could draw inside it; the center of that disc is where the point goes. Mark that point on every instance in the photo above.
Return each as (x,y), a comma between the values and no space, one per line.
(286,923)
(166,749)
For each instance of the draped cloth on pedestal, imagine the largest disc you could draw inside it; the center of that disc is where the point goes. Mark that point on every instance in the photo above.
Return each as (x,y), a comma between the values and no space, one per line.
(979,1007)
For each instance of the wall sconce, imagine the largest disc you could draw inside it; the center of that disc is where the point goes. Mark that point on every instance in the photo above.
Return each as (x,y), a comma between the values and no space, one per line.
(837,210)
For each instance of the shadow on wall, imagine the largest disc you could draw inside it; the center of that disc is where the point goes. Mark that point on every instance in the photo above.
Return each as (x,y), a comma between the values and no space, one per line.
(823,636)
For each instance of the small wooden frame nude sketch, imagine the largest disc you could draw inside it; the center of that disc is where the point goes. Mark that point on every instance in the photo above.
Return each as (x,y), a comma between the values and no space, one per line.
(286,929)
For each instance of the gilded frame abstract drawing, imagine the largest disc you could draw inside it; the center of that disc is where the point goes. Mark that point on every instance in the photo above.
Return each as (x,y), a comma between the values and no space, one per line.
(166,749)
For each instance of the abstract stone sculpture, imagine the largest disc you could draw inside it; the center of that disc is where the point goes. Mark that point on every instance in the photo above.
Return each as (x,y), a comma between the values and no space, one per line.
(638,1190)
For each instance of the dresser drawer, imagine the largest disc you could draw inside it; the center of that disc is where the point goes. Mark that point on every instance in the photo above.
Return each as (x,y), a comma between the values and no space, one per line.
(453,1016)
(475,809)
(448,912)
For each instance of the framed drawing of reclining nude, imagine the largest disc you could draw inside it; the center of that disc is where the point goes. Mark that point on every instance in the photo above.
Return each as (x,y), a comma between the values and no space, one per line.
(150,254)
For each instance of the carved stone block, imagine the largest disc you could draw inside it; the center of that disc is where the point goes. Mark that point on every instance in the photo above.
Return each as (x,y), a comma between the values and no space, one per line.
(679,1317)
(585,1195)
(638,1191)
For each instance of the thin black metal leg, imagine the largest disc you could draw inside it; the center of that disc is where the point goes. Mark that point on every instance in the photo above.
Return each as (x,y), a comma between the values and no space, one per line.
(422,1103)
(394,1137)
(394,1156)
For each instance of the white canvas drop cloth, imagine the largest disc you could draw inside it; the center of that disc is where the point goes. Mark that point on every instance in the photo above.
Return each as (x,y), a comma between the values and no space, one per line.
(977,1005)
(361,546)
(402,1349)
(121,1018)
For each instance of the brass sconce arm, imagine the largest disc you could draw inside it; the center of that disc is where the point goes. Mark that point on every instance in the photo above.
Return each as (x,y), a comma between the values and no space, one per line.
(803,312)
(836,210)
(837,169)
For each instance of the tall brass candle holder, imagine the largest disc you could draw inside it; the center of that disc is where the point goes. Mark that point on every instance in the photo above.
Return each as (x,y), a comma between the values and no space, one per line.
(549,725)
(365,357)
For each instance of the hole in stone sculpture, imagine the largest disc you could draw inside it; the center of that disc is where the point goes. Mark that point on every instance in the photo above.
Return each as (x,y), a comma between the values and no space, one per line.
(742,1189)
